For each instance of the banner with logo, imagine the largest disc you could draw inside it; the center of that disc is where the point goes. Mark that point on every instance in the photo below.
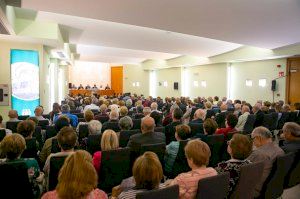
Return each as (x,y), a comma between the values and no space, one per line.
(25,81)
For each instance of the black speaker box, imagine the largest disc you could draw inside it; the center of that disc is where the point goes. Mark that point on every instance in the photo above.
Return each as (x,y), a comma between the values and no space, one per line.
(273,88)
(175,85)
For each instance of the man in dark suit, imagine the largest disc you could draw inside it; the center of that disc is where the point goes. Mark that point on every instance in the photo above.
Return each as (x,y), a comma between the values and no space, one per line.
(170,129)
(148,136)
(220,118)
(259,115)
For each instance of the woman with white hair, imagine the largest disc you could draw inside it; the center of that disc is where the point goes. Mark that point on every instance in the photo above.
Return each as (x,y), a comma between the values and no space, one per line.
(94,127)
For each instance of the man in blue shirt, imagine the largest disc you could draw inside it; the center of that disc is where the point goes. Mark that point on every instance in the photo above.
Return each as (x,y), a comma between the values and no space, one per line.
(65,110)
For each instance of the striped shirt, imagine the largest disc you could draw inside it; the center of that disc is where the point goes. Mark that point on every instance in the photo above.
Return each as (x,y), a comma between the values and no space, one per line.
(131,193)
(188,182)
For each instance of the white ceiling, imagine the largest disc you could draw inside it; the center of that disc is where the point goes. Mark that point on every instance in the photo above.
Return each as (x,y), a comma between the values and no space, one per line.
(118,31)
(261,23)
(118,55)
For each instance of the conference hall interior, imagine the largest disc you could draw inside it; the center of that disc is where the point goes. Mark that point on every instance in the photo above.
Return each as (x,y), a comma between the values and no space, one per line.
(140,99)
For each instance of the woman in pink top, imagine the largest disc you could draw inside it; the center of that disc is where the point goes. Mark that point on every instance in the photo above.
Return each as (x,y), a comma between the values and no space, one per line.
(109,141)
(77,179)
(197,153)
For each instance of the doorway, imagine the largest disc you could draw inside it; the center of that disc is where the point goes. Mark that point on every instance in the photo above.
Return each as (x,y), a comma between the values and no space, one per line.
(117,79)
(293,80)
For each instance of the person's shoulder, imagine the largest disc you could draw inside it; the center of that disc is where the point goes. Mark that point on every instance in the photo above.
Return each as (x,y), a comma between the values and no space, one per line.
(138,135)
(97,154)
(97,193)
(211,170)
(50,195)
(223,164)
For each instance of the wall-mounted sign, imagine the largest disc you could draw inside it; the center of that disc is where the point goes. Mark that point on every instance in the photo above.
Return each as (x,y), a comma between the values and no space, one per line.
(281,74)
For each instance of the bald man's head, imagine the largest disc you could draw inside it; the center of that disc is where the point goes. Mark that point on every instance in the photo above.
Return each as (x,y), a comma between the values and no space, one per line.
(223,107)
(13,114)
(200,114)
(147,124)
(245,109)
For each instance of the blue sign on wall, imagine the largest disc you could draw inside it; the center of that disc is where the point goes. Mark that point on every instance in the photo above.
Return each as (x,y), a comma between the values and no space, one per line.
(25,81)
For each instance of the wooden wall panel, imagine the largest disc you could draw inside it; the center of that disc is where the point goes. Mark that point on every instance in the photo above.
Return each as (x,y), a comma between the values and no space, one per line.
(117,79)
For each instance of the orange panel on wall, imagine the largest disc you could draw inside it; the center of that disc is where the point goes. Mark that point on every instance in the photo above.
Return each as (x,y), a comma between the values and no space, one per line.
(117,79)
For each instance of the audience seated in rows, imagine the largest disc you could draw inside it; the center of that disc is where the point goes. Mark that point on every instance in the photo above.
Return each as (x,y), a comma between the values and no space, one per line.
(109,141)
(178,110)
(12,146)
(239,148)
(77,179)
(182,133)
(264,150)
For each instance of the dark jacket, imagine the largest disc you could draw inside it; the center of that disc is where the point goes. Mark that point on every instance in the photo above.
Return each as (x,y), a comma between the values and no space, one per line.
(220,119)
(170,131)
(136,141)
(259,118)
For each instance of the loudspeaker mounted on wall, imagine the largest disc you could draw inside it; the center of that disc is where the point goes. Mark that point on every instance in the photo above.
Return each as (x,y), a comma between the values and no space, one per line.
(175,85)
(273,88)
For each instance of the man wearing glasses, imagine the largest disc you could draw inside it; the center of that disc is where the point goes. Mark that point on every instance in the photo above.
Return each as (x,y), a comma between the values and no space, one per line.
(263,150)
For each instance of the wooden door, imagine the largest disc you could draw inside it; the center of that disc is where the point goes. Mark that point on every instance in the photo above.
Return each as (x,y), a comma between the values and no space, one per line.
(117,79)
(293,80)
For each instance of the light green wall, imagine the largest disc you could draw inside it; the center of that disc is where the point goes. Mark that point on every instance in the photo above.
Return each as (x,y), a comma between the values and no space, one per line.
(215,76)
(170,75)
(255,70)
(135,73)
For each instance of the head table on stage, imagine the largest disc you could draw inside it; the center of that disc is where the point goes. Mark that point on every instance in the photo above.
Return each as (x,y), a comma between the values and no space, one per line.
(90,92)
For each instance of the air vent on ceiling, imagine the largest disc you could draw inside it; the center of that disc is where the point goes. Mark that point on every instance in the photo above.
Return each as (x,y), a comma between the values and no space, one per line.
(61,55)
(196,74)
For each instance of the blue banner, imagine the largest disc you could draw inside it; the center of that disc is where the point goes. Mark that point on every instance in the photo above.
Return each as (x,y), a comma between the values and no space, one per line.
(25,81)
